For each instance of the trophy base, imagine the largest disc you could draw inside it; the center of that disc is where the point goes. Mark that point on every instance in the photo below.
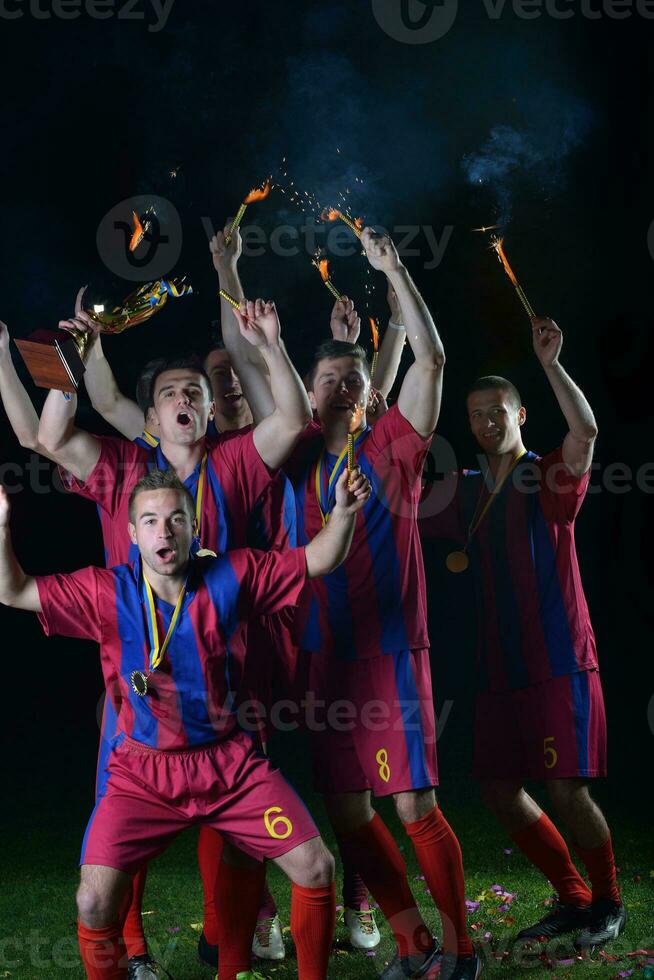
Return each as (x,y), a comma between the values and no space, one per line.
(52,359)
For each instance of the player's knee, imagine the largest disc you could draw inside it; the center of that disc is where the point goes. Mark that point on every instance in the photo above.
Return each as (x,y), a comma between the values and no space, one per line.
(569,794)
(313,866)
(93,907)
(500,796)
(414,805)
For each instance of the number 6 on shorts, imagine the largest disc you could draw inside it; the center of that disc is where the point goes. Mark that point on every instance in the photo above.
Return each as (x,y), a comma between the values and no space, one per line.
(551,756)
(273,825)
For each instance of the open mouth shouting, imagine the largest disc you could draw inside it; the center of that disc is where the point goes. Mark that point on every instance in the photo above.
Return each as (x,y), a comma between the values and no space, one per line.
(166,554)
(233,397)
(185,419)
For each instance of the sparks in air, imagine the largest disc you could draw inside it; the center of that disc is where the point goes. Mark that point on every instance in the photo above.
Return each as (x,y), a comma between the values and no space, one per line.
(141,228)
(486,228)
(332,214)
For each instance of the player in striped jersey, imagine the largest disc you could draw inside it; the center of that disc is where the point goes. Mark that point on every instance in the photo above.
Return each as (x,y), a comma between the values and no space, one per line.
(540,709)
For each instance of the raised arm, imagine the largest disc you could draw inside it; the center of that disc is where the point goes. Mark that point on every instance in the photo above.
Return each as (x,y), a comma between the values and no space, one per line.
(345,322)
(391,347)
(330,546)
(247,361)
(276,435)
(419,400)
(579,443)
(74,449)
(17,403)
(16,588)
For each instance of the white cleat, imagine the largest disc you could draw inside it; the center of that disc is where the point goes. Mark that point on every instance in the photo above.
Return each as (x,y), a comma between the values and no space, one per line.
(364,933)
(268,942)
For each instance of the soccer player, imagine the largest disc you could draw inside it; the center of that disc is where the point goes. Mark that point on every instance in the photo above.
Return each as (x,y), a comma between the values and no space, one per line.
(540,710)
(169,626)
(365,632)
(226,475)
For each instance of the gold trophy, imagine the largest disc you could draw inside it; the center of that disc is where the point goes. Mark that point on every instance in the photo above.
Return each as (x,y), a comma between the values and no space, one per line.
(55,358)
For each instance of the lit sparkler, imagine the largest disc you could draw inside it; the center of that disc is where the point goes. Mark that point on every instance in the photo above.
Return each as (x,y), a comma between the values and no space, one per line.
(374,330)
(487,228)
(331,214)
(256,194)
(322,265)
(141,228)
(498,245)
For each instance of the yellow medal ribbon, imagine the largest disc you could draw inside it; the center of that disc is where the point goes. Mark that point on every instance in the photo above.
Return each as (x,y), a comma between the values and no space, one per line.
(324,513)
(157,652)
(198,496)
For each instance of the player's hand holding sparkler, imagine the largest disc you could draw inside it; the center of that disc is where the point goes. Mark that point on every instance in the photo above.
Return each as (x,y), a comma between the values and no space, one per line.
(259,323)
(345,323)
(226,255)
(548,340)
(352,491)
(380,251)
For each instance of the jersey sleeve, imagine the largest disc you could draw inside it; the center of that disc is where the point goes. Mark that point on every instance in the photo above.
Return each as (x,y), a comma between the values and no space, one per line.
(70,604)
(112,476)
(239,455)
(561,493)
(273,580)
(394,436)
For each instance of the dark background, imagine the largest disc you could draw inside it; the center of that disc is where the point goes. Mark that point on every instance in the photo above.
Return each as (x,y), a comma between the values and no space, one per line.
(96,111)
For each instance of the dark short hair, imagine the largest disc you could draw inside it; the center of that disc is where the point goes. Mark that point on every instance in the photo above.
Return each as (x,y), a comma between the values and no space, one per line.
(190,362)
(332,349)
(501,384)
(159,480)
(144,384)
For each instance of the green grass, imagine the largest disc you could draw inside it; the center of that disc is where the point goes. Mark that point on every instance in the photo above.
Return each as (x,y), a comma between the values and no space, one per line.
(41,846)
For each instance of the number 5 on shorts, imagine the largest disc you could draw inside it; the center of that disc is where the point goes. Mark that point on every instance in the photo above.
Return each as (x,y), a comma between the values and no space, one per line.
(279,827)
(551,755)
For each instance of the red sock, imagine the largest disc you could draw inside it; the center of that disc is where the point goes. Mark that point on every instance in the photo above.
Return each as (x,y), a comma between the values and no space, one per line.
(210,849)
(543,845)
(373,851)
(600,864)
(355,890)
(133,926)
(439,857)
(103,952)
(238,897)
(313,920)
(268,908)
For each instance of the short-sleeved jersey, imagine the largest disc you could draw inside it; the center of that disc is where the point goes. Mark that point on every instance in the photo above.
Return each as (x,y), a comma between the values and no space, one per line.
(236,477)
(375,601)
(534,622)
(190,698)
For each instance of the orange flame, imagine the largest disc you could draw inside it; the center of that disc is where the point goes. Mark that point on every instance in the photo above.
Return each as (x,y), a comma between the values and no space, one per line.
(323,268)
(498,245)
(137,234)
(330,214)
(359,223)
(258,194)
(374,330)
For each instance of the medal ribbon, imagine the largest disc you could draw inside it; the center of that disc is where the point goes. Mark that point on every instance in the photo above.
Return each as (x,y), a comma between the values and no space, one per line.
(325,487)
(476,520)
(157,652)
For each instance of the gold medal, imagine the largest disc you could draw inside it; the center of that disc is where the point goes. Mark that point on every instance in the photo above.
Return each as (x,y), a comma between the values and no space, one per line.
(457,561)
(139,682)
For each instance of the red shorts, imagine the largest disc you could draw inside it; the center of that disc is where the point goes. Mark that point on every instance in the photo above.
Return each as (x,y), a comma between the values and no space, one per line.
(377,730)
(150,796)
(553,730)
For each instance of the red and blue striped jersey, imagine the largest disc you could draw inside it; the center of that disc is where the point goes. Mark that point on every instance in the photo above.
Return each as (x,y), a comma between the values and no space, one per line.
(375,601)
(236,477)
(533,621)
(191,696)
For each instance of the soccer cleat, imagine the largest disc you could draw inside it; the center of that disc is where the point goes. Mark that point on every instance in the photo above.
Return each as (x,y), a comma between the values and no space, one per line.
(364,933)
(460,967)
(142,968)
(207,953)
(562,919)
(416,965)
(248,975)
(607,921)
(268,942)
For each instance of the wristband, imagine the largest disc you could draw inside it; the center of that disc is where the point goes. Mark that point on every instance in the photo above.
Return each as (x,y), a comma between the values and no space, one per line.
(396,326)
